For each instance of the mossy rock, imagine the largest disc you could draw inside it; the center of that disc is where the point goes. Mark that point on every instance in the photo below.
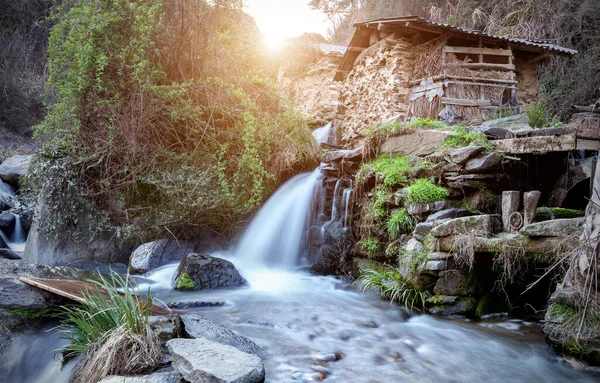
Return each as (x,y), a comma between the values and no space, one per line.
(490,304)
(463,306)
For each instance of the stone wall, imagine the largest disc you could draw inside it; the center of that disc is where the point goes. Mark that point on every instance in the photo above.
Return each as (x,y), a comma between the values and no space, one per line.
(376,91)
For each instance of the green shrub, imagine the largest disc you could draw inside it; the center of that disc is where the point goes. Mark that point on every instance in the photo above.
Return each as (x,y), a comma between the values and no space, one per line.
(394,170)
(539,117)
(424,191)
(185,282)
(382,196)
(390,285)
(463,137)
(413,262)
(165,139)
(111,330)
(369,247)
(399,222)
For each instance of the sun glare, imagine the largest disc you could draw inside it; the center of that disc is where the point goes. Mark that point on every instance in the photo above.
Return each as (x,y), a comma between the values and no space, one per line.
(281,19)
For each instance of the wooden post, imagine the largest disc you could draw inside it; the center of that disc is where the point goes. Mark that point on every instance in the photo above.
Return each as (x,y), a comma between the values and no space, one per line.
(480,45)
(513,92)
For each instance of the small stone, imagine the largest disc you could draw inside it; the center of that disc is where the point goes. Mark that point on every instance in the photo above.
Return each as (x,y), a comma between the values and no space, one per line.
(205,272)
(413,246)
(421,230)
(442,299)
(484,164)
(425,208)
(196,326)
(439,256)
(449,213)
(478,225)
(462,155)
(435,265)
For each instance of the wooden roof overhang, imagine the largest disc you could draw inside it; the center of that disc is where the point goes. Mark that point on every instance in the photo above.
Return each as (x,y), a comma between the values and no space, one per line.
(410,25)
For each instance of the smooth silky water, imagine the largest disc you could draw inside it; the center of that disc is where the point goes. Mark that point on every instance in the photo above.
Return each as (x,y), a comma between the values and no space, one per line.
(309,326)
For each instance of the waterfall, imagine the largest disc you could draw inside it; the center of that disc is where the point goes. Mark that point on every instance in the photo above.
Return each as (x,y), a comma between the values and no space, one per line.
(325,134)
(341,200)
(16,241)
(275,237)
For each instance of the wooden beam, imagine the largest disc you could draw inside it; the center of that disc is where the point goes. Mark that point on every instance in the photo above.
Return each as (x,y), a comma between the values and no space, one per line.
(539,57)
(588,144)
(536,144)
(481,79)
(355,49)
(465,102)
(478,51)
(481,84)
(489,66)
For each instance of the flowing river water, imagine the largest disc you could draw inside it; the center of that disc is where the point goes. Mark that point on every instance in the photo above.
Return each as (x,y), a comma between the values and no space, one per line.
(311,327)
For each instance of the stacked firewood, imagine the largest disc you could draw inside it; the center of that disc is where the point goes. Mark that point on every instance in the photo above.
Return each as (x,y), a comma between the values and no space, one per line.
(376,91)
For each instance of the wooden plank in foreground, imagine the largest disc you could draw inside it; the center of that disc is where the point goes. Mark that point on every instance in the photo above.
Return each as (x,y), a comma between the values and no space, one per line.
(72,290)
(536,144)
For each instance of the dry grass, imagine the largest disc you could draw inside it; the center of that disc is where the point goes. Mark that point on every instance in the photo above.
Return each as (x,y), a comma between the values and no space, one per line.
(119,352)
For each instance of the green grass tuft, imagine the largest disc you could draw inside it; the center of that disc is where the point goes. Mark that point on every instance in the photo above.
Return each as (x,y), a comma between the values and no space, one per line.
(390,285)
(425,191)
(462,137)
(399,222)
(369,247)
(394,170)
(397,128)
(539,117)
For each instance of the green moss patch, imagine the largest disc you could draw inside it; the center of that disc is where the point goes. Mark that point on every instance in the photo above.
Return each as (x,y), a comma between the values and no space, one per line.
(185,282)
(425,191)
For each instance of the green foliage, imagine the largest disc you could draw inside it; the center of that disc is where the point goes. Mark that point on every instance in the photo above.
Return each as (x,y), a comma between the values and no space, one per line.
(393,170)
(399,222)
(397,128)
(539,117)
(389,284)
(424,191)
(185,282)
(505,111)
(369,247)
(463,137)
(392,249)
(161,138)
(382,196)
(490,304)
(29,314)
(87,324)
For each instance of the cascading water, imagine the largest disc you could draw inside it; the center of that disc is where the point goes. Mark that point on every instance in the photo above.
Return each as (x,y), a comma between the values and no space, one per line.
(275,236)
(325,134)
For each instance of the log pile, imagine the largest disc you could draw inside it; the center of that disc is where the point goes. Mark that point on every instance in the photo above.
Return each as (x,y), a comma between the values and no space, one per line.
(376,91)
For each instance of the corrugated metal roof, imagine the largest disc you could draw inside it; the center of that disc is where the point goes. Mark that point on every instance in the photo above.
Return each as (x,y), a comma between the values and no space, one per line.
(419,20)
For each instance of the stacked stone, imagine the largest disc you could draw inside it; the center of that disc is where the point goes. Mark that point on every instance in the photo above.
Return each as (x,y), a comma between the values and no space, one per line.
(376,90)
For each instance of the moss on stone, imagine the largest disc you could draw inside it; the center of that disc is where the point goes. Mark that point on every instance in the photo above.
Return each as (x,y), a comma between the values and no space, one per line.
(490,304)
(31,314)
(185,282)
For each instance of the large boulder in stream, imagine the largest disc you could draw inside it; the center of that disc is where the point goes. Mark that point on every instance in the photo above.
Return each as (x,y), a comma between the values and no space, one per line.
(203,272)
(151,255)
(200,360)
(14,167)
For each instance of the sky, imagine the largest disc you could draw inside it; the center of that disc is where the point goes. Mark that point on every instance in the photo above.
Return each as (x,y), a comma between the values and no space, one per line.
(279,19)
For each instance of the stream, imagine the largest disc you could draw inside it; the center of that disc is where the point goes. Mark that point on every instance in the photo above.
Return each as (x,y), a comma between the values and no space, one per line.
(311,327)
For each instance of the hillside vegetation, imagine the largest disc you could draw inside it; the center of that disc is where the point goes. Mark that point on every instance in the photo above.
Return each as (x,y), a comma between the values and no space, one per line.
(162,120)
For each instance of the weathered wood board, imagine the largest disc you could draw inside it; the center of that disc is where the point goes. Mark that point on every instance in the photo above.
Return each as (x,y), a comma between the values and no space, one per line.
(73,289)
(537,144)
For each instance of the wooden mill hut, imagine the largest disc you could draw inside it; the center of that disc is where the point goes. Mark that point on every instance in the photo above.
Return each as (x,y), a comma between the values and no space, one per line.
(404,67)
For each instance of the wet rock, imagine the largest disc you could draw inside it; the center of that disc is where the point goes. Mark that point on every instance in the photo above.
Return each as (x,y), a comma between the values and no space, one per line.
(200,360)
(414,246)
(9,254)
(7,223)
(478,225)
(530,202)
(417,143)
(15,294)
(462,155)
(157,377)
(151,255)
(539,145)
(426,208)
(454,282)
(338,155)
(554,228)
(98,267)
(566,296)
(421,230)
(203,272)
(14,167)
(449,214)
(484,164)
(463,307)
(166,328)
(196,326)
(193,304)
(495,133)
(442,299)
(435,265)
